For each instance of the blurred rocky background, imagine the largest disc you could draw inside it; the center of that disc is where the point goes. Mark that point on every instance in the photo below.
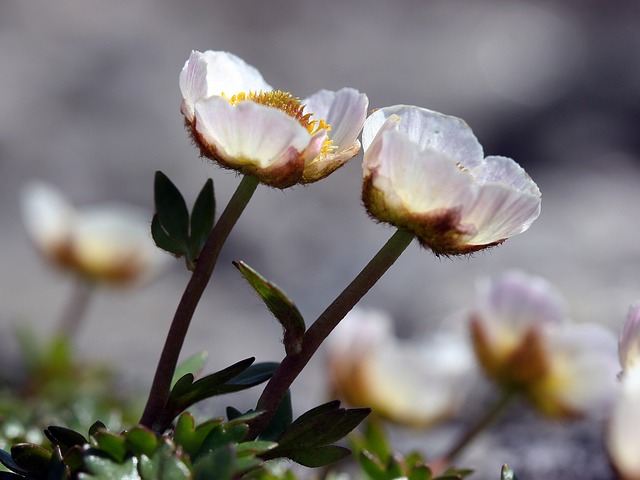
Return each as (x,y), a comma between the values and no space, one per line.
(90,102)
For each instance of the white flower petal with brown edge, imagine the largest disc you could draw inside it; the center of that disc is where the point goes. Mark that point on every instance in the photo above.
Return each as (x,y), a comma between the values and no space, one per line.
(428,129)
(249,133)
(345,111)
(215,73)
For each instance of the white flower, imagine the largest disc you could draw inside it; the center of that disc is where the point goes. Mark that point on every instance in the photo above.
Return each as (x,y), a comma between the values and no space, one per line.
(413,383)
(240,122)
(109,243)
(426,172)
(525,342)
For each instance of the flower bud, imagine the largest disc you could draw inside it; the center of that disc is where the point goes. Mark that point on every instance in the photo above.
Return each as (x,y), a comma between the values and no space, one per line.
(426,172)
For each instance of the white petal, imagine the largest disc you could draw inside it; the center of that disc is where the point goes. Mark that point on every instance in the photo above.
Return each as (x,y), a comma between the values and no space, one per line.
(249,132)
(448,135)
(623,435)
(504,171)
(344,110)
(111,235)
(47,216)
(214,73)
(514,303)
(500,212)
(629,341)
(584,365)
(229,74)
(424,180)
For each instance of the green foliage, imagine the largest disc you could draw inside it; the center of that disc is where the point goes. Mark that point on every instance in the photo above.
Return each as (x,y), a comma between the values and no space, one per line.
(237,377)
(309,439)
(379,462)
(279,305)
(173,229)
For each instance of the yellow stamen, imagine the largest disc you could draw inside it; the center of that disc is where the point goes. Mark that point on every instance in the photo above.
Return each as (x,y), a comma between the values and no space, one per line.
(290,105)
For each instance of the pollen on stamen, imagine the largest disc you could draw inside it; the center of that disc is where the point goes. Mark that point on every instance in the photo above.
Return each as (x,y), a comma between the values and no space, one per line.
(292,106)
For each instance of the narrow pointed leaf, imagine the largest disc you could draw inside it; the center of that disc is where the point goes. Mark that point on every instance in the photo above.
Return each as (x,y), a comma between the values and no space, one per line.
(171,208)
(193,365)
(279,305)
(281,420)
(317,411)
(318,457)
(64,437)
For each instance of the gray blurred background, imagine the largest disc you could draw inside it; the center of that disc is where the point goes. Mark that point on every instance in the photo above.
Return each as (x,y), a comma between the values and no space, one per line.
(90,102)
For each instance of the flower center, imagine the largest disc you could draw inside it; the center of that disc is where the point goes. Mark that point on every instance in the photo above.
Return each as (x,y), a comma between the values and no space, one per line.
(292,106)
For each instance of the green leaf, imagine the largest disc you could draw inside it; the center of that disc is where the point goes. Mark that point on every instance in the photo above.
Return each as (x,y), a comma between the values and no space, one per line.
(255,447)
(111,444)
(319,456)
(255,374)
(7,460)
(281,420)
(189,437)
(95,427)
(185,393)
(317,411)
(507,473)
(32,458)
(141,441)
(279,305)
(171,208)
(372,466)
(164,241)
(165,464)
(419,472)
(103,468)
(224,436)
(222,461)
(194,365)
(65,437)
(202,218)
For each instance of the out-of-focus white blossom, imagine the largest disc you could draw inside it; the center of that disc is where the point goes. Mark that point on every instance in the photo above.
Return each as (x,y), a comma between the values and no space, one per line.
(426,172)
(105,243)
(623,433)
(241,123)
(525,342)
(412,383)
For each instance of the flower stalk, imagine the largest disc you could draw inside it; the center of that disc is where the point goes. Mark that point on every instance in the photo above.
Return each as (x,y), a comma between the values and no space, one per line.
(159,392)
(294,363)
(76,308)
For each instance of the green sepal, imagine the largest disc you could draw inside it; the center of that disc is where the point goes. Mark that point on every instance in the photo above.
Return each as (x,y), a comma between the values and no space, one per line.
(279,305)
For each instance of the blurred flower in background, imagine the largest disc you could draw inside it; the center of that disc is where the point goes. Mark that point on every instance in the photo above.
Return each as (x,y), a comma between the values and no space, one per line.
(525,342)
(623,434)
(408,382)
(105,244)
(426,172)
(241,123)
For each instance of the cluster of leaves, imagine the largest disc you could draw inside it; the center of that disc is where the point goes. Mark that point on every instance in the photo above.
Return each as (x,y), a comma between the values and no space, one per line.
(173,228)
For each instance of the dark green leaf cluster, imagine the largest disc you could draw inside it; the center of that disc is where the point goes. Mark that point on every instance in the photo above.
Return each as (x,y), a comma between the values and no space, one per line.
(172,228)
